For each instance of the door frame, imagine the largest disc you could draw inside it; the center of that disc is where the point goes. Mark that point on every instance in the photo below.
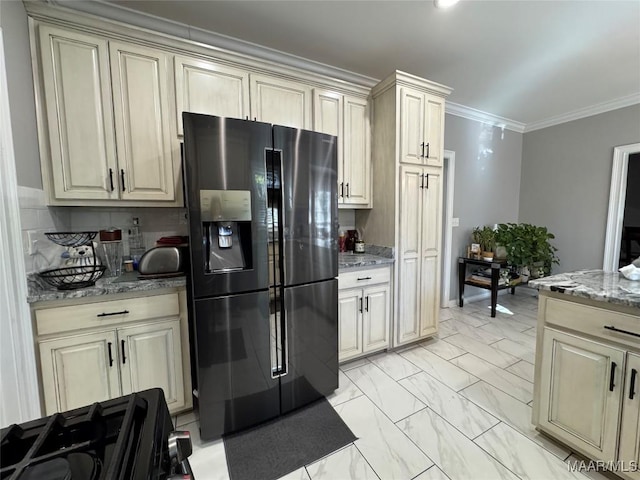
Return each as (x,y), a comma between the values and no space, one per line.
(617,197)
(449,167)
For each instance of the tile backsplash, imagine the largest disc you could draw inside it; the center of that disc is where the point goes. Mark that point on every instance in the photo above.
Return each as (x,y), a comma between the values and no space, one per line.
(37,218)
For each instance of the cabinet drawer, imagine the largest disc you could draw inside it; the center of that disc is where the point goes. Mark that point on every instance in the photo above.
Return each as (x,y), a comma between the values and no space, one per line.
(592,320)
(362,278)
(100,314)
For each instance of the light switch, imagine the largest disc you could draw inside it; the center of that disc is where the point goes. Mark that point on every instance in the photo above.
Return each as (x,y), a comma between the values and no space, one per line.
(455,222)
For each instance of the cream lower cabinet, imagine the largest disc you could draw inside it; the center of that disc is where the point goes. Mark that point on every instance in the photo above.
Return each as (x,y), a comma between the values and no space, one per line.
(587,388)
(364,312)
(106,130)
(419,254)
(130,346)
(581,392)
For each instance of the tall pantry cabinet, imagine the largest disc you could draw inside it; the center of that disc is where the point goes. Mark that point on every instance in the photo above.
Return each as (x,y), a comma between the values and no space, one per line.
(407,150)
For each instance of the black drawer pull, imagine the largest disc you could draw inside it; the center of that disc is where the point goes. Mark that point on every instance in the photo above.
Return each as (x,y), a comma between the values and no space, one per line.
(632,387)
(124,356)
(122,178)
(611,327)
(123,312)
(364,278)
(612,377)
(110,355)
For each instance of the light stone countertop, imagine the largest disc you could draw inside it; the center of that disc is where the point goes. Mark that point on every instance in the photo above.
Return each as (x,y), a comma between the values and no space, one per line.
(611,287)
(356,260)
(40,291)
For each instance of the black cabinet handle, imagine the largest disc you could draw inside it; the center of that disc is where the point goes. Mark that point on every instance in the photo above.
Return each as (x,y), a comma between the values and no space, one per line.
(110,355)
(427,187)
(111,178)
(611,327)
(422,146)
(122,179)
(612,377)
(360,304)
(422,181)
(123,312)
(427,151)
(342,189)
(124,356)
(364,278)
(632,387)
(367,304)
(347,189)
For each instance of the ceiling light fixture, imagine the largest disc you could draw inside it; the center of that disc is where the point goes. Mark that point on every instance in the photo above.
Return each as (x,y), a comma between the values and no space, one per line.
(444,3)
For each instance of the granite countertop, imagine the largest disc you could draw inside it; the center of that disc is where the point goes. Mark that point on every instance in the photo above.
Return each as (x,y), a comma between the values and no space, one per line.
(597,285)
(355,260)
(39,291)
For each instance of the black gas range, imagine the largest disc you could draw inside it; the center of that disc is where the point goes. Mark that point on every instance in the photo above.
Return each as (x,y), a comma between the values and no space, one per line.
(127,438)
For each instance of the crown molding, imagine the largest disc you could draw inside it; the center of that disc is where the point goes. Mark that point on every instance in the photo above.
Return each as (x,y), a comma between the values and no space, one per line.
(128,16)
(483,117)
(584,112)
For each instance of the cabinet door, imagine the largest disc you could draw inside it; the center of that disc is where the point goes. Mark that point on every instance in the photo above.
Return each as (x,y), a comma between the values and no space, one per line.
(412,148)
(349,324)
(77,97)
(140,80)
(434,130)
(210,88)
(580,395)
(150,357)
(375,320)
(280,102)
(357,159)
(328,118)
(79,370)
(410,239)
(630,424)
(431,235)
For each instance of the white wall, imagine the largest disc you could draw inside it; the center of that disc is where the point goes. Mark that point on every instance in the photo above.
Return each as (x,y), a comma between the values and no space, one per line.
(566,175)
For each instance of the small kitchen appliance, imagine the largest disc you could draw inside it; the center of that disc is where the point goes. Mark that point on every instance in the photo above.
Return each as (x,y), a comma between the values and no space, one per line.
(130,437)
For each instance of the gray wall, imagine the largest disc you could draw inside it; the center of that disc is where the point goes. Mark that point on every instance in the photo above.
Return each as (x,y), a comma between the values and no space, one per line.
(566,175)
(487,181)
(13,20)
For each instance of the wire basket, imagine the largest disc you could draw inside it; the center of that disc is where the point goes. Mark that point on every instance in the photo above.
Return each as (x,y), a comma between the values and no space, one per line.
(71,239)
(70,278)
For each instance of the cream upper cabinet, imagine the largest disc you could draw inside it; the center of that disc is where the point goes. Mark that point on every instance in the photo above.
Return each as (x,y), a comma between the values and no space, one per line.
(140,80)
(106,121)
(422,121)
(580,392)
(281,102)
(210,88)
(79,114)
(347,117)
(79,370)
(630,424)
(156,344)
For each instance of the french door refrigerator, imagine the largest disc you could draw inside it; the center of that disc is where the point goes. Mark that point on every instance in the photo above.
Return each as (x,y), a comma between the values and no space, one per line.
(263,218)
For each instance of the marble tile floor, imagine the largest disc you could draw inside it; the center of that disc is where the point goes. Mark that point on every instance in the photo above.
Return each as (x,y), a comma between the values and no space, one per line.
(457,406)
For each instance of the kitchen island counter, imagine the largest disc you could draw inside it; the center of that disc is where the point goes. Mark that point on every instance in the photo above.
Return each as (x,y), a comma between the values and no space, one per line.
(611,287)
(39,291)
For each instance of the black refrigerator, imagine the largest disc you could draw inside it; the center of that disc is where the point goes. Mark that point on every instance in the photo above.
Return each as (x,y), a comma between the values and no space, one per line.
(263,216)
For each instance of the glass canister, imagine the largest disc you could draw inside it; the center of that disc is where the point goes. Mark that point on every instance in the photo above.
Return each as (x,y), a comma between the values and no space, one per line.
(111,244)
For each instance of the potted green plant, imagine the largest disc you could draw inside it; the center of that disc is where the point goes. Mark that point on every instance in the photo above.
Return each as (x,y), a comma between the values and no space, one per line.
(485,236)
(528,248)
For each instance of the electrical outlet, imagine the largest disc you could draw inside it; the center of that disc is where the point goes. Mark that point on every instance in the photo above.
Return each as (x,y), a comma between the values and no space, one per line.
(32,242)
(455,222)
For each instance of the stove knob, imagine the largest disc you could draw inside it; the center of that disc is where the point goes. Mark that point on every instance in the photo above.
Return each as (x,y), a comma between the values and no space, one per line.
(179,446)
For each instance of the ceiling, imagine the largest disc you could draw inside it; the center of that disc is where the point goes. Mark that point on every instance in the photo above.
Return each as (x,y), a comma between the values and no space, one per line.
(528,61)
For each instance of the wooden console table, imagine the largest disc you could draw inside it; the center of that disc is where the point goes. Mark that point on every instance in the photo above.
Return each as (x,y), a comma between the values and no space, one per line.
(495,277)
